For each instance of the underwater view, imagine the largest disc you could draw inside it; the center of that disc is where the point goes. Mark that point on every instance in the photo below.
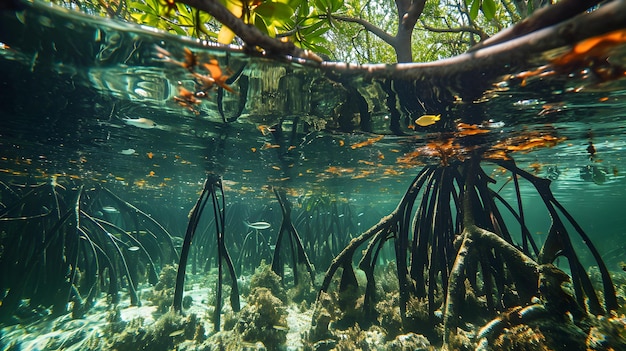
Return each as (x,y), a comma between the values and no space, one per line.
(159,192)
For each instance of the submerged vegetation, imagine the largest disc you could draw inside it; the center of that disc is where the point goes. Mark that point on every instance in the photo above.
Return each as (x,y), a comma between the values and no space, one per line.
(453,256)
(75,249)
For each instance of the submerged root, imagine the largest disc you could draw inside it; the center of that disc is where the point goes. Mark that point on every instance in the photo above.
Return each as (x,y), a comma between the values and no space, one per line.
(458,264)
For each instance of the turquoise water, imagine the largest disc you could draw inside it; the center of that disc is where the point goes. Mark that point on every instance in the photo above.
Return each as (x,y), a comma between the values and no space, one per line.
(73,88)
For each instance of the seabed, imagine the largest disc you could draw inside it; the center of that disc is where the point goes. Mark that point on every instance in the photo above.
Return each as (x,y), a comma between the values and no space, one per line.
(147,327)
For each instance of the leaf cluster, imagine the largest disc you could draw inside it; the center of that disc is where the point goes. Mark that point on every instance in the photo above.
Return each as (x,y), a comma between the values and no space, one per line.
(171,16)
(448,27)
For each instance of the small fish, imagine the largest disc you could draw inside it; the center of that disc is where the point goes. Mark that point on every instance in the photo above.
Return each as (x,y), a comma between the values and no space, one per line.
(127,152)
(281,327)
(491,124)
(427,120)
(133,248)
(529,102)
(140,122)
(258,225)
(177,332)
(110,209)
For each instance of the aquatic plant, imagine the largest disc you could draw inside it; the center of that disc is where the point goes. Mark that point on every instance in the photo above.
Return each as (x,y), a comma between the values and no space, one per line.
(265,277)
(162,294)
(263,319)
(167,331)
(452,244)
(212,190)
(71,250)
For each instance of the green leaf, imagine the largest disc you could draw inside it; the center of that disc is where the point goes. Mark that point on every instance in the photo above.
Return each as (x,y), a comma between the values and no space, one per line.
(274,10)
(260,24)
(322,5)
(143,8)
(531,8)
(489,9)
(183,10)
(474,9)
(318,34)
(294,4)
(335,5)
(177,29)
(317,48)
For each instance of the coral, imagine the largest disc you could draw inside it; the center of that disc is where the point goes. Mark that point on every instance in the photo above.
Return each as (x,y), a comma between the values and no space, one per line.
(304,291)
(353,338)
(389,315)
(349,300)
(460,341)
(386,278)
(557,298)
(608,332)
(114,324)
(169,329)
(264,277)
(162,295)
(230,320)
(263,319)
(408,342)
(324,313)
(417,310)
(544,331)
(522,338)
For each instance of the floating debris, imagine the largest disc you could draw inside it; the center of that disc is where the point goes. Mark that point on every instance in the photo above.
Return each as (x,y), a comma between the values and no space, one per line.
(127,151)
(367,142)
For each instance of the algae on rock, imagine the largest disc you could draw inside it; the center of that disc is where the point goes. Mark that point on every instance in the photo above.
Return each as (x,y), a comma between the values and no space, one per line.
(263,319)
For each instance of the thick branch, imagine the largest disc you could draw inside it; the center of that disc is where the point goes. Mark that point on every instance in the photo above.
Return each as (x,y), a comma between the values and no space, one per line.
(464,71)
(384,36)
(542,18)
(409,19)
(249,34)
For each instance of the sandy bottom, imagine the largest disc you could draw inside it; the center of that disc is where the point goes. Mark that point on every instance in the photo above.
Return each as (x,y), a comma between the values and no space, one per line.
(66,333)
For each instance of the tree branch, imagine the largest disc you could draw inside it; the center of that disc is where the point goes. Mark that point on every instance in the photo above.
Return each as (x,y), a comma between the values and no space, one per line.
(465,72)
(249,34)
(542,18)
(384,36)
(461,29)
(409,19)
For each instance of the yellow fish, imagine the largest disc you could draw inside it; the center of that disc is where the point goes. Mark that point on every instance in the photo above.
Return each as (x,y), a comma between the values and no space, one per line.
(427,120)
